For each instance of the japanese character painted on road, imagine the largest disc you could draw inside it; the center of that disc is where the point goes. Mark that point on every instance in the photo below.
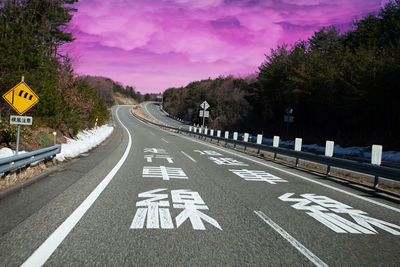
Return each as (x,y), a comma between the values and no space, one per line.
(208,152)
(191,203)
(155,150)
(155,210)
(251,175)
(227,161)
(166,173)
(326,212)
(168,158)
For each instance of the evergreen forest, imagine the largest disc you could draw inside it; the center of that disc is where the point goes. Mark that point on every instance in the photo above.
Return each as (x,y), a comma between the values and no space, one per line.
(341,86)
(32,33)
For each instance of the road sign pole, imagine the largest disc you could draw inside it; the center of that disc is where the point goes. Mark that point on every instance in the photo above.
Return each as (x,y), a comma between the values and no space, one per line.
(17,148)
(204,117)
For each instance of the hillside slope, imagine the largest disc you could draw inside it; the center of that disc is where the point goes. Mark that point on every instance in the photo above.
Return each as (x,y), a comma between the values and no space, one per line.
(113,93)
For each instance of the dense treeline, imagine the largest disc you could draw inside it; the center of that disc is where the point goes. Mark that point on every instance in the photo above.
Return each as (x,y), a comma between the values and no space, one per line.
(107,87)
(32,33)
(342,87)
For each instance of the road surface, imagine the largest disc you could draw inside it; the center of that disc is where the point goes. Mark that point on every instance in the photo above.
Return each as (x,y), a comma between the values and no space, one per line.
(151,197)
(153,109)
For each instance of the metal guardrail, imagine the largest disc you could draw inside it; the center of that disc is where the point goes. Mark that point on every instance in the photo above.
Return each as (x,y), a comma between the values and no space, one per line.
(352,165)
(25,159)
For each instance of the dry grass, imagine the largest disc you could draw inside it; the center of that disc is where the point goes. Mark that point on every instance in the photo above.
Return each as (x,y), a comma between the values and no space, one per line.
(120,99)
(139,112)
(23,175)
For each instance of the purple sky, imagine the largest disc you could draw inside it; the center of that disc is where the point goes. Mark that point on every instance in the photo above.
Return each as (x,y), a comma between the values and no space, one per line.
(157,44)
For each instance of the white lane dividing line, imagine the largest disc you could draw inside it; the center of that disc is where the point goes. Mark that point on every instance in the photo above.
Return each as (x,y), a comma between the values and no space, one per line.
(296,244)
(284,171)
(41,255)
(192,159)
(151,133)
(164,140)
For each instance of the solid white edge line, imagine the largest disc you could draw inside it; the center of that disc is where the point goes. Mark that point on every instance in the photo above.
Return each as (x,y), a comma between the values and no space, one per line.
(41,255)
(285,171)
(192,159)
(296,244)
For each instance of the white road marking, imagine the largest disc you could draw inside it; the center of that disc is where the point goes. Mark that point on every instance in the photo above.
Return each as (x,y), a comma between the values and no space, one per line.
(282,170)
(164,140)
(327,212)
(152,133)
(192,159)
(40,256)
(166,173)
(296,244)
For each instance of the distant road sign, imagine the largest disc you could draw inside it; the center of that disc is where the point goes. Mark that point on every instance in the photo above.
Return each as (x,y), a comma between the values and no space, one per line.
(206,114)
(204,105)
(287,118)
(21,98)
(21,120)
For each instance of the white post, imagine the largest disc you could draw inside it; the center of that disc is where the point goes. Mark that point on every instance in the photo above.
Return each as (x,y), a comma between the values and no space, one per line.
(190,128)
(212,132)
(376,156)
(246,137)
(55,138)
(376,159)
(297,144)
(219,133)
(329,148)
(226,134)
(235,136)
(259,139)
(297,147)
(276,141)
(329,153)
(195,129)
(205,131)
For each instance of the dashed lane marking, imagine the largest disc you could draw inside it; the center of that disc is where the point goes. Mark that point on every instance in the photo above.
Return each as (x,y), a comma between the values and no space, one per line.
(192,159)
(296,244)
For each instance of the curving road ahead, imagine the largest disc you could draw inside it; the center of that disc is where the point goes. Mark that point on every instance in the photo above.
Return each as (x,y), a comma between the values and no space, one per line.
(151,197)
(153,109)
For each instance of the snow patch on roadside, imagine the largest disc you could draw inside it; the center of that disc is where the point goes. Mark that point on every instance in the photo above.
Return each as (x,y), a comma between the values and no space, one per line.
(83,142)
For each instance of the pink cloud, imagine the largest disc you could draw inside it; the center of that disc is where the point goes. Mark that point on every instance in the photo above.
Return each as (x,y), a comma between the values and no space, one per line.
(156,44)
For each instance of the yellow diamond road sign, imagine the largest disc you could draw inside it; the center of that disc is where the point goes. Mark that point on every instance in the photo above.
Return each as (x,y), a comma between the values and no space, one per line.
(21,98)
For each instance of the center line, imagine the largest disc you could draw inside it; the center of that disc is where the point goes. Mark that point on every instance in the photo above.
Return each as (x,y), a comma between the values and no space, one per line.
(192,159)
(296,244)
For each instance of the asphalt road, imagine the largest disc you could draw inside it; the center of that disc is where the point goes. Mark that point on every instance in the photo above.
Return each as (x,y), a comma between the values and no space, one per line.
(151,197)
(153,109)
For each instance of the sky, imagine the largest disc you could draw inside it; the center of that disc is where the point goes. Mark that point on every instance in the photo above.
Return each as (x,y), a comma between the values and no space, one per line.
(157,44)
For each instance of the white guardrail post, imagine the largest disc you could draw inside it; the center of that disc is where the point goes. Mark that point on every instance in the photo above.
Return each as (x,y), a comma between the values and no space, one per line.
(212,132)
(329,146)
(275,144)
(259,141)
(297,147)
(235,136)
(226,134)
(376,159)
(218,135)
(245,139)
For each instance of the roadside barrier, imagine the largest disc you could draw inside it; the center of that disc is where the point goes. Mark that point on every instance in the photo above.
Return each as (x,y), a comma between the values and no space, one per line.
(362,167)
(25,159)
